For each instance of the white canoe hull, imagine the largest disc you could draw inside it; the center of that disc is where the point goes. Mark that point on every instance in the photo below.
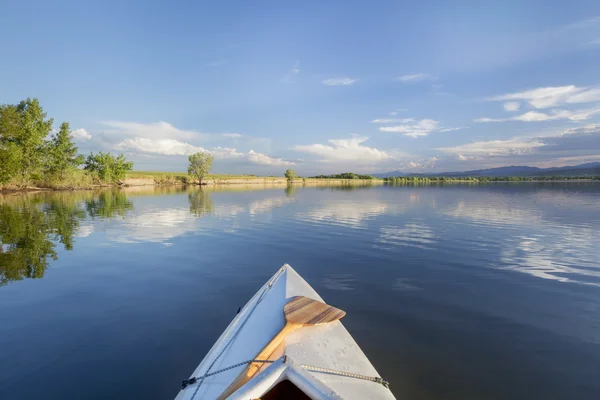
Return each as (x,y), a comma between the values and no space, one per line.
(328,346)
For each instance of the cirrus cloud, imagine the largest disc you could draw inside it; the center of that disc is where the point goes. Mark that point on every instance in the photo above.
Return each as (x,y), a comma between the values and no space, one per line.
(552,96)
(582,142)
(536,116)
(413,78)
(341,81)
(416,129)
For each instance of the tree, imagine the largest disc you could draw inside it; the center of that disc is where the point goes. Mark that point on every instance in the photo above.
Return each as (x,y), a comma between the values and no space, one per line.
(106,167)
(200,165)
(290,174)
(23,129)
(62,153)
(29,136)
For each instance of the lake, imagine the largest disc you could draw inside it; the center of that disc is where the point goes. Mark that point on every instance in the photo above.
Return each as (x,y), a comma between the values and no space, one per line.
(453,292)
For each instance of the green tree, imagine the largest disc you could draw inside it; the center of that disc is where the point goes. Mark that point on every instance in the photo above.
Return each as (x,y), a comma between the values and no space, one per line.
(62,153)
(290,174)
(106,167)
(200,165)
(29,136)
(10,151)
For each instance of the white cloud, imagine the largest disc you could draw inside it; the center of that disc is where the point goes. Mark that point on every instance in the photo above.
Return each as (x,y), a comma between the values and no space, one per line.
(263,159)
(585,96)
(414,78)
(342,81)
(345,150)
(547,97)
(512,106)
(419,128)
(158,146)
(172,147)
(232,135)
(81,134)
(556,114)
(392,120)
(494,148)
(463,158)
(457,128)
(155,130)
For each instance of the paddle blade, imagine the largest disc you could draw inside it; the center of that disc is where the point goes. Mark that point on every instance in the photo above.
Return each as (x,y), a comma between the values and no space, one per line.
(306,311)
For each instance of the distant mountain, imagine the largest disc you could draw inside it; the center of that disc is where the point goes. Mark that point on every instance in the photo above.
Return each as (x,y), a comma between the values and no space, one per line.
(572,170)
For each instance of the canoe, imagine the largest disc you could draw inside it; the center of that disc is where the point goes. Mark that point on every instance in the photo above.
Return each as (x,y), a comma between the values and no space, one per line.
(313,362)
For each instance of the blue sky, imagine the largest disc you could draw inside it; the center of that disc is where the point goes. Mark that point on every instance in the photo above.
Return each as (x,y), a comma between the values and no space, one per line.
(321,87)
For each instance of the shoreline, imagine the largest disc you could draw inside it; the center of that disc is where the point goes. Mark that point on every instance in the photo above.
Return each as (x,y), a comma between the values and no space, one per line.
(149,181)
(217,181)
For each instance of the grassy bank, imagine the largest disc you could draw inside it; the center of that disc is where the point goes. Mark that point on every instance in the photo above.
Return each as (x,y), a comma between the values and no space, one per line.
(140,178)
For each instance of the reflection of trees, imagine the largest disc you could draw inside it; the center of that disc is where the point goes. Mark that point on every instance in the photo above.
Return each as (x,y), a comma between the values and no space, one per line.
(109,204)
(25,243)
(31,225)
(200,202)
(63,221)
(290,190)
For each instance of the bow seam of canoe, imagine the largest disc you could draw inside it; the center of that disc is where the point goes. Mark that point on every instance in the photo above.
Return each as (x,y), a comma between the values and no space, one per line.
(375,379)
(262,295)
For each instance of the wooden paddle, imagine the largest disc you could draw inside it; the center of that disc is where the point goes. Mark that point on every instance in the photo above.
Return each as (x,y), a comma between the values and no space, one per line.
(299,312)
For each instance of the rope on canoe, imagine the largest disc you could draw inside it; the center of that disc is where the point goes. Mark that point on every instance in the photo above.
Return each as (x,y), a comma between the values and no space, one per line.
(195,379)
(375,379)
(264,292)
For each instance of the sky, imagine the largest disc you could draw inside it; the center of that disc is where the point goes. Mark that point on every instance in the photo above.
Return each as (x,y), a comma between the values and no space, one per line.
(315,86)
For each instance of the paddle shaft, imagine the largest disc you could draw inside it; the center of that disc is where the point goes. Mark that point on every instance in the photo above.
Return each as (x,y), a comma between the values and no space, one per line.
(264,354)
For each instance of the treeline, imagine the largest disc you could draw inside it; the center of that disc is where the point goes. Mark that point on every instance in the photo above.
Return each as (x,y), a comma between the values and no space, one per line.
(32,153)
(344,175)
(441,179)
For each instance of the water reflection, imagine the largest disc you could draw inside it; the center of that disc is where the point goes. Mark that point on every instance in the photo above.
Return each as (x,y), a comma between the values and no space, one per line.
(26,244)
(503,273)
(345,212)
(31,225)
(200,202)
(109,204)
(413,234)
(554,232)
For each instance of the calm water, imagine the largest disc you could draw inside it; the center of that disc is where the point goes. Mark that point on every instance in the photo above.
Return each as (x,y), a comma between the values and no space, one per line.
(456,292)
